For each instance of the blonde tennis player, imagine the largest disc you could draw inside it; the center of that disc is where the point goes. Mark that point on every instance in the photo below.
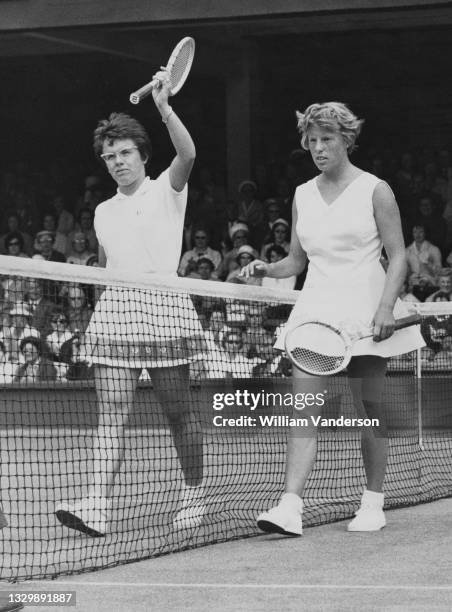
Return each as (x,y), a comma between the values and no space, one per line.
(140,229)
(341,220)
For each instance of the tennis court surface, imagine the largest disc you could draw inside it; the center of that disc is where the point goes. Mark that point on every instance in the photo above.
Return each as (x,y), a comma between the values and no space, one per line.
(407,566)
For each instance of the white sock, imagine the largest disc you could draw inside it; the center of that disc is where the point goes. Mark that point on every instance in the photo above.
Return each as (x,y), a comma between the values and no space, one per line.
(372,498)
(192,492)
(293,500)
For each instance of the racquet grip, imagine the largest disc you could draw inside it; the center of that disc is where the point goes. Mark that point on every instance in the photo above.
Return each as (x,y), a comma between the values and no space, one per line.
(407,321)
(141,93)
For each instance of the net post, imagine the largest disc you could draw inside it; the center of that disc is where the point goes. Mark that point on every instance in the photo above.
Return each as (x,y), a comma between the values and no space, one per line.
(418,374)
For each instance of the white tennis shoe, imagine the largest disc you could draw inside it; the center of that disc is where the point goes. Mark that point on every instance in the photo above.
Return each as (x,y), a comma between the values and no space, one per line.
(285,518)
(193,509)
(90,515)
(370,515)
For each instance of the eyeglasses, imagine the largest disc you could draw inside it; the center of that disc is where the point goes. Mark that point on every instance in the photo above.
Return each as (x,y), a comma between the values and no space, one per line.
(123,154)
(59,320)
(14,243)
(200,237)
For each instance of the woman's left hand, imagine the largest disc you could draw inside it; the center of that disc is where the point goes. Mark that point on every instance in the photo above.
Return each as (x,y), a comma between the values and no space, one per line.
(383,324)
(162,90)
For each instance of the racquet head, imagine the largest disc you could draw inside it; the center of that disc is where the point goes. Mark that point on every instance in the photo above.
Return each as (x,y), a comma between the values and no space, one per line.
(180,63)
(318,348)
(178,66)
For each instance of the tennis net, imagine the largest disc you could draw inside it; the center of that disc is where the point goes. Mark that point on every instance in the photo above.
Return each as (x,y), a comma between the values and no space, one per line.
(169,453)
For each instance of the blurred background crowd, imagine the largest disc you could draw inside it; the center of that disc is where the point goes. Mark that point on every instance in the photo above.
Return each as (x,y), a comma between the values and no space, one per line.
(49,215)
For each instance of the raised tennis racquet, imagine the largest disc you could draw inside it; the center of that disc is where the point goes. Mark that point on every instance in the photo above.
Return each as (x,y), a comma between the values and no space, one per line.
(322,350)
(178,67)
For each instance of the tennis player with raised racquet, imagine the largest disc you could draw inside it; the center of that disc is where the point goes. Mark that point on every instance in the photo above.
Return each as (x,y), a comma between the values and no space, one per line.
(346,312)
(140,229)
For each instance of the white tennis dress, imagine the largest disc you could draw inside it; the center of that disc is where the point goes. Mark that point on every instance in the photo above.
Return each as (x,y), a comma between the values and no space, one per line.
(137,328)
(345,278)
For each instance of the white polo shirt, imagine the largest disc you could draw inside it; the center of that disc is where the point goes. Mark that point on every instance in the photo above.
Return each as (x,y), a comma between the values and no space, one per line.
(143,232)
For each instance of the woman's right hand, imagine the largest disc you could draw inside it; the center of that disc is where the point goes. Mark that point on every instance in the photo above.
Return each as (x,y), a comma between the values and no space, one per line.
(255,268)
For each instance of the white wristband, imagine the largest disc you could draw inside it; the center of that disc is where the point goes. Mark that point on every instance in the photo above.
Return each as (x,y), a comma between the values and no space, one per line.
(165,119)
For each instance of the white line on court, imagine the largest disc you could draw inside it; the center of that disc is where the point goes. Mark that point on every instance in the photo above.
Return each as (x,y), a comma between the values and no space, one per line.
(213,585)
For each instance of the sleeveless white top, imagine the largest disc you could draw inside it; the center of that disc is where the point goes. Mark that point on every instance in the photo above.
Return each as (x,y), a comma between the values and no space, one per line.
(345,278)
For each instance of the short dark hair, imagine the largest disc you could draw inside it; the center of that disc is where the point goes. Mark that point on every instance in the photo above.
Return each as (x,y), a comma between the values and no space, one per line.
(36,342)
(120,126)
(203,260)
(441,295)
(14,236)
(276,248)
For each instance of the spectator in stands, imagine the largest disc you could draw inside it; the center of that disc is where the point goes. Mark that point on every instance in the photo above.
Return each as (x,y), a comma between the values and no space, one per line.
(60,332)
(424,263)
(431,220)
(217,324)
(249,209)
(91,197)
(78,311)
(279,235)
(49,224)
(232,361)
(204,270)
(189,259)
(14,245)
(406,293)
(273,254)
(45,241)
(20,327)
(13,291)
(7,368)
(442,296)
(443,358)
(64,218)
(85,220)
(427,357)
(284,197)
(26,211)
(239,235)
(35,366)
(45,244)
(272,212)
(434,328)
(444,287)
(245,255)
(13,226)
(39,305)
(274,364)
(79,253)
(72,355)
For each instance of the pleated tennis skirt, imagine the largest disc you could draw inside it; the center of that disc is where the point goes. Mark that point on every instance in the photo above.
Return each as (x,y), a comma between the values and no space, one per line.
(136,328)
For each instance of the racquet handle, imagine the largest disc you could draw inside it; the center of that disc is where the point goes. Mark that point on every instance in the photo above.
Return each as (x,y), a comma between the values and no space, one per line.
(413,319)
(144,91)
(407,321)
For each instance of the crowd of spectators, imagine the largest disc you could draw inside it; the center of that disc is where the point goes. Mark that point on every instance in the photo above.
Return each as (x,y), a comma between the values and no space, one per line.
(221,235)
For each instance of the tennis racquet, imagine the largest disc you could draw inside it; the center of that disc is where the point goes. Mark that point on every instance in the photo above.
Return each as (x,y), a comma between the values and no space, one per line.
(178,67)
(321,349)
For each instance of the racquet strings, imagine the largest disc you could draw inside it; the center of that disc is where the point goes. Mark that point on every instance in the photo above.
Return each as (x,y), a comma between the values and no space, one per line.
(317,348)
(181,66)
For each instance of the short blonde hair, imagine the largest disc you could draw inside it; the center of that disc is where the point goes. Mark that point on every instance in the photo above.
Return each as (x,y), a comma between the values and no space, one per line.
(335,116)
